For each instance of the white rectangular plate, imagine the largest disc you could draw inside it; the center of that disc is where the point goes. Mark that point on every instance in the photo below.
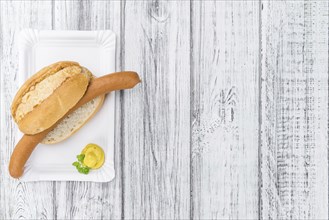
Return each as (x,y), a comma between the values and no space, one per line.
(96,51)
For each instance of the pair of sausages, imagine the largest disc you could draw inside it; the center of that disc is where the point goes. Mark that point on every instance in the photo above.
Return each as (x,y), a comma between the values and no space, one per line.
(98,86)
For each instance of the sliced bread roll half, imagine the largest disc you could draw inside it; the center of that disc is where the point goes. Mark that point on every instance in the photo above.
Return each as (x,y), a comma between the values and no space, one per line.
(48,95)
(74,121)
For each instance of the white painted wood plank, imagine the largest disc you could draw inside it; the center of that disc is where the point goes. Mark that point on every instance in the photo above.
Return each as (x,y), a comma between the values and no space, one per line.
(85,200)
(18,200)
(294,126)
(225,103)
(156,114)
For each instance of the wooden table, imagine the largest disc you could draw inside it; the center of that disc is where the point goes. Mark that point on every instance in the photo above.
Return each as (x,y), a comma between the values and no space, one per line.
(230,121)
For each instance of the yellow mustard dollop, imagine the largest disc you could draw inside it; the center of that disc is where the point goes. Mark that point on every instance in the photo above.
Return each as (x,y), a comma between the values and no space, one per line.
(94,156)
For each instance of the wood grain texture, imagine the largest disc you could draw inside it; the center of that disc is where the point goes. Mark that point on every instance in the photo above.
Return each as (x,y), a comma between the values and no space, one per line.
(294,126)
(156,114)
(211,132)
(18,200)
(87,200)
(225,109)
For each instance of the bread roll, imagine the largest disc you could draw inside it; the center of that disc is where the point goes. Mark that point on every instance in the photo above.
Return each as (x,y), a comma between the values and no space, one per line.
(74,121)
(48,95)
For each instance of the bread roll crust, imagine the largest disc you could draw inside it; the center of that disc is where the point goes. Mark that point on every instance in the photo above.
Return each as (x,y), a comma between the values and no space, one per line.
(55,106)
(40,116)
(36,78)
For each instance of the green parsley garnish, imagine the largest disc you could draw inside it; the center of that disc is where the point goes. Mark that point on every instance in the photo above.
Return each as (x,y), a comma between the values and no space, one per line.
(80,157)
(79,164)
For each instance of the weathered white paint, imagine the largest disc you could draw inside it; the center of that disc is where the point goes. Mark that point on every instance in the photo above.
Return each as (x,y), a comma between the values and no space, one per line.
(187,142)
(225,109)
(294,139)
(156,114)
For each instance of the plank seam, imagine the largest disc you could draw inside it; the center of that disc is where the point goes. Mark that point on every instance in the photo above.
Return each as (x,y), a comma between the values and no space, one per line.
(260,57)
(191,110)
(53,14)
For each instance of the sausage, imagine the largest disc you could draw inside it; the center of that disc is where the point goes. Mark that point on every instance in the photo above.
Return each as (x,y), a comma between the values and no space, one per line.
(98,86)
